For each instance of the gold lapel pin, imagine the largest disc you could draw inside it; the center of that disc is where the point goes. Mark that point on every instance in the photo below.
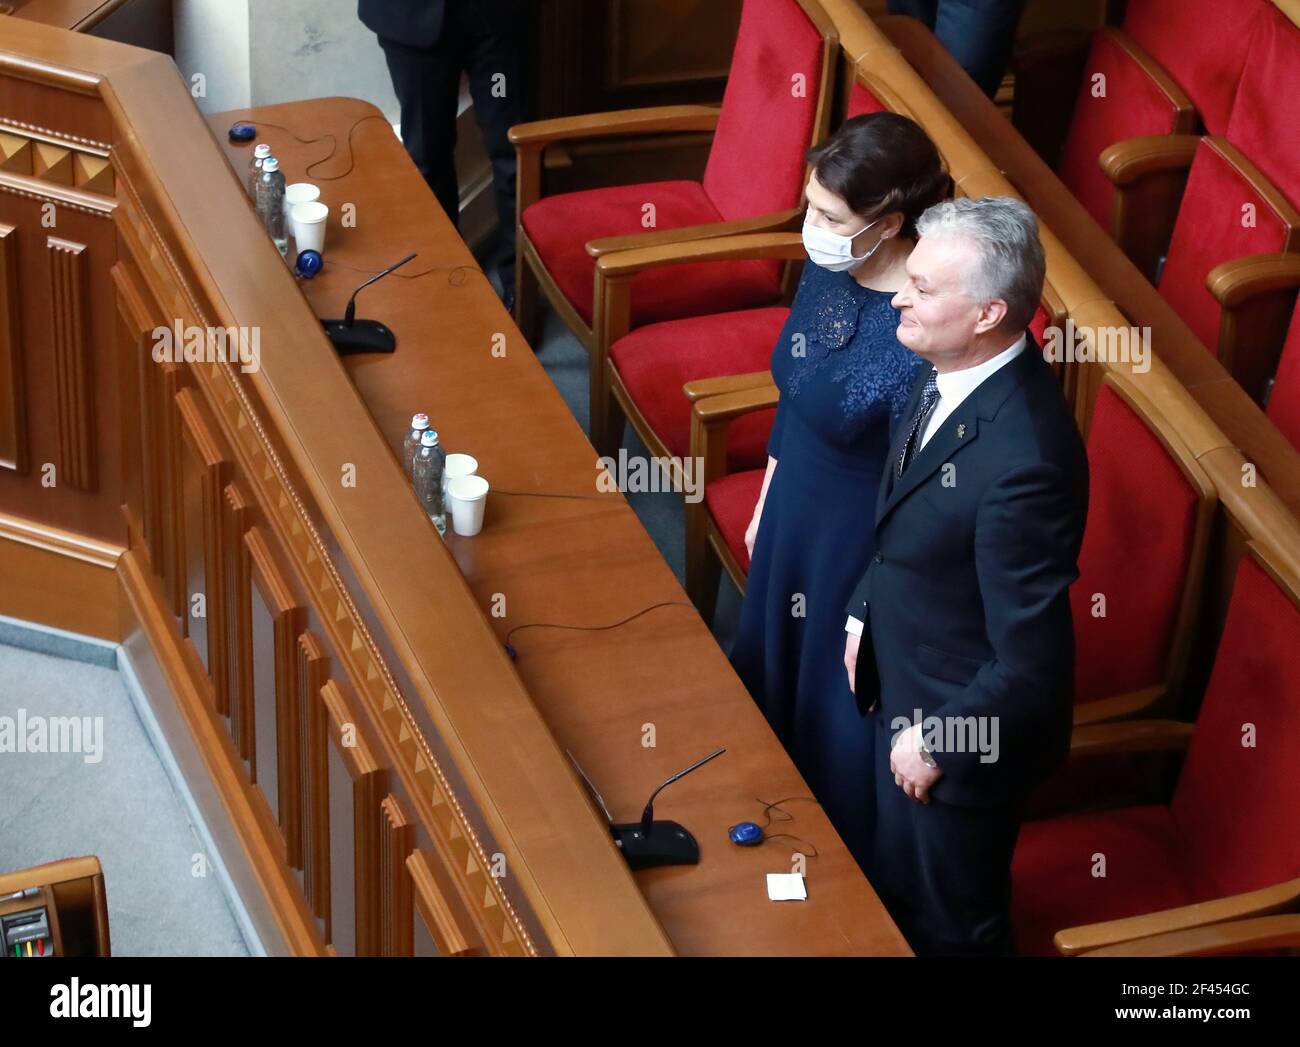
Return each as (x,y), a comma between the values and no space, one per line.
(961,431)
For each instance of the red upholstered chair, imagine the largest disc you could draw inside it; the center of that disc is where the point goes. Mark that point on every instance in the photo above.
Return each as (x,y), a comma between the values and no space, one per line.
(1124,95)
(775,106)
(1142,562)
(1227,272)
(1284,400)
(1225,847)
(648,366)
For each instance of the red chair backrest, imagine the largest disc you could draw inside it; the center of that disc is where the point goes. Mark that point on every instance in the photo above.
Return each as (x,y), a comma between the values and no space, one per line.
(1202,44)
(1124,103)
(1215,225)
(1284,401)
(1237,802)
(1137,550)
(1265,120)
(862,101)
(756,163)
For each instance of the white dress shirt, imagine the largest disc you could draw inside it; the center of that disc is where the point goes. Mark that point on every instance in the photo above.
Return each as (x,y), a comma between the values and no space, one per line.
(954,387)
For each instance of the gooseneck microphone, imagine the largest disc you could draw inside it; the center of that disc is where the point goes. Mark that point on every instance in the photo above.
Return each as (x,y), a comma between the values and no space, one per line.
(648,843)
(351,335)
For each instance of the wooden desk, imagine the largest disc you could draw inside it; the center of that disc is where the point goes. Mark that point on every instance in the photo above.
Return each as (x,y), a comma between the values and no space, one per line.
(563,560)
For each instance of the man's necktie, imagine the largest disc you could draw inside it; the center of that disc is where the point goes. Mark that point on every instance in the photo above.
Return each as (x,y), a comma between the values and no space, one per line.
(929,396)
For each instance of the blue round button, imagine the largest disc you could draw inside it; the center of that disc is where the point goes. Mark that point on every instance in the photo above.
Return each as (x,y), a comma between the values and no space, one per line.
(242,132)
(309,263)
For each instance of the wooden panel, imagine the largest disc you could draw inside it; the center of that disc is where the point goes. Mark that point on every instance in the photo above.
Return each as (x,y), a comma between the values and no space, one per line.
(201,482)
(436,931)
(274,621)
(236,679)
(353,782)
(308,844)
(56,579)
(72,365)
(669,41)
(13,424)
(397,839)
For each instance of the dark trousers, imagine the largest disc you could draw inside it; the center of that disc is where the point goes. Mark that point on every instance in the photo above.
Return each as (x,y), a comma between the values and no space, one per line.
(978,33)
(427,84)
(942,871)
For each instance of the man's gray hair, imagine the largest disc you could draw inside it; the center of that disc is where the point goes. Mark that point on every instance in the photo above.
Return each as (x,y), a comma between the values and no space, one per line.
(1005,233)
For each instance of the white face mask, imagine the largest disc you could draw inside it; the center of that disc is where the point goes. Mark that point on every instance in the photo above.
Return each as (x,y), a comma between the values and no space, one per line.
(833,251)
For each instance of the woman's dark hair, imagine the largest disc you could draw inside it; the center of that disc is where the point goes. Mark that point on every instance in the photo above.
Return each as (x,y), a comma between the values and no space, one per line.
(878,163)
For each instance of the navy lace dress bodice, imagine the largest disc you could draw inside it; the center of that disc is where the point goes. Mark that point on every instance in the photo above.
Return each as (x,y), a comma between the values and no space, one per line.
(844,380)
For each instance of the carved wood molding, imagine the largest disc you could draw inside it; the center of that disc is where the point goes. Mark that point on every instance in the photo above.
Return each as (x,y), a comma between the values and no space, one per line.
(397,840)
(72,363)
(448,820)
(13,399)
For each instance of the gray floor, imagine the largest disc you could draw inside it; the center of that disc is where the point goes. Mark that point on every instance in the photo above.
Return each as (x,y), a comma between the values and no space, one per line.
(121,809)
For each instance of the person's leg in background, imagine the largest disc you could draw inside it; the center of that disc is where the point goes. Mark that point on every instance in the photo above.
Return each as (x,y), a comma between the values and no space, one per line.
(980,34)
(494,59)
(921,10)
(427,84)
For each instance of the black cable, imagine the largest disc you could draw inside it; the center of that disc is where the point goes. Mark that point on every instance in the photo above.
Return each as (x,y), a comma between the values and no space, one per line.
(598,628)
(452,271)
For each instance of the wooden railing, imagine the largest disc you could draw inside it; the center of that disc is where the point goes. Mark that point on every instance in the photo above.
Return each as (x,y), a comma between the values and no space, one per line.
(261,557)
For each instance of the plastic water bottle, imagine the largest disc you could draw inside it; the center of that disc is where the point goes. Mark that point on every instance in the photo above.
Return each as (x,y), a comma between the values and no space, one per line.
(419,423)
(260,152)
(430,461)
(270,203)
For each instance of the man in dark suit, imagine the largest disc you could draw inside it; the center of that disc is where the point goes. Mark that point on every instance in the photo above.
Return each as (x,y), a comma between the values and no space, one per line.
(980,34)
(427,44)
(967,654)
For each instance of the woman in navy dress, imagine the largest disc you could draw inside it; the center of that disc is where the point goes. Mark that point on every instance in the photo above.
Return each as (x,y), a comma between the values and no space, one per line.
(844,380)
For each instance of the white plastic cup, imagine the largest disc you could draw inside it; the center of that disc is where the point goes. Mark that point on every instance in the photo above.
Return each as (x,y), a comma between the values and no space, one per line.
(309,226)
(466,500)
(458,465)
(298,193)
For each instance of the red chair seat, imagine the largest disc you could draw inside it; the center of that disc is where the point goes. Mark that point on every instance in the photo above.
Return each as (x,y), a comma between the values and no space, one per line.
(1133,105)
(1053,881)
(560,227)
(655,361)
(731,502)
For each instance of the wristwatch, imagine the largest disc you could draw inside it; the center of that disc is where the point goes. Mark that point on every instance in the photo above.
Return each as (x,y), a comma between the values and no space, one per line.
(926,757)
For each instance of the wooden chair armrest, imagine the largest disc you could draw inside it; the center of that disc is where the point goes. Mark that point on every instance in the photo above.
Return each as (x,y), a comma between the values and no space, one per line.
(1133,159)
(1261,934)
(1237,281)
(1130,736)
(1117,707)
(714,410)
(1280,897)
(660,119)
(727,383)
(776,222)
(625,264)
(709,418)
